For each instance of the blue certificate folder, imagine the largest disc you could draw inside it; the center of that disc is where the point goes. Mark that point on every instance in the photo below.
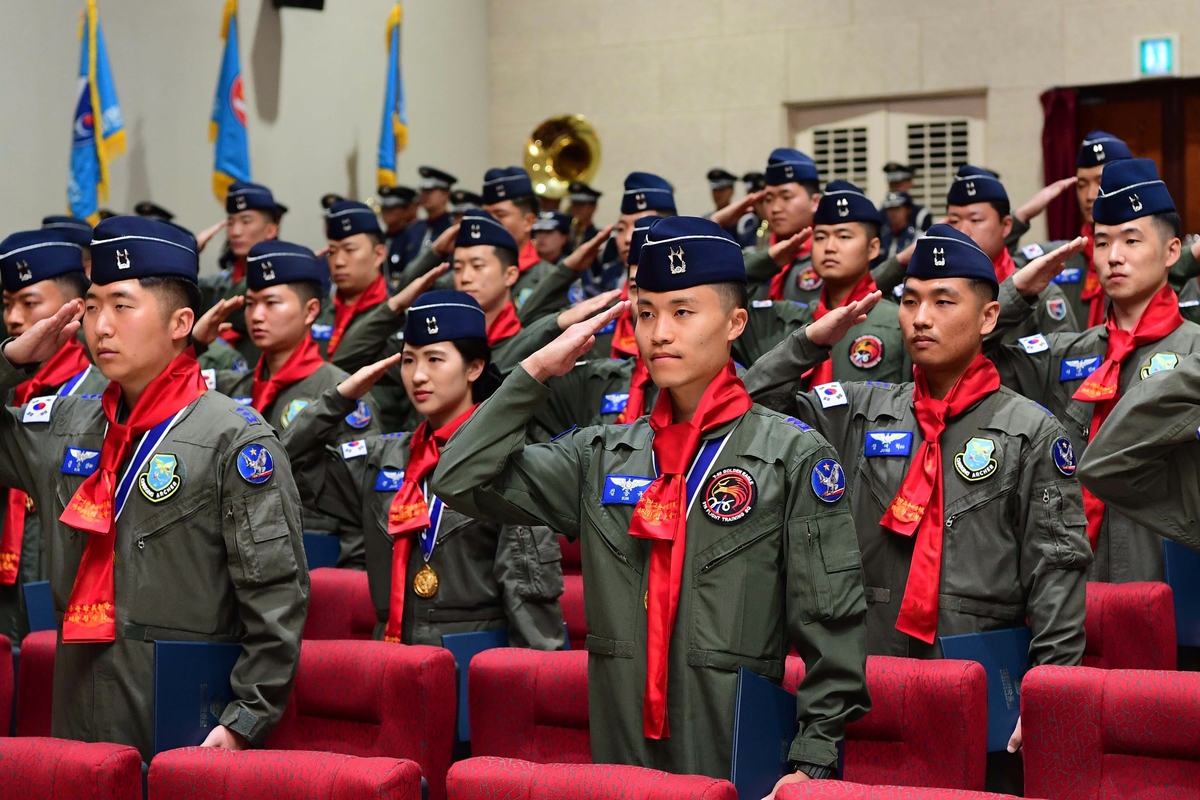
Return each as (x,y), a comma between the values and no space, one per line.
(191,690)
(464,647)
(1181,565)
(39,607)
(1005,657)
(321,550)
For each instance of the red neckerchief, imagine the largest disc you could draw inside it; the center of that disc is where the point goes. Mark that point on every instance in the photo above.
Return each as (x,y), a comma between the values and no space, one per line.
(409,513)
(90,610)
(1093,292)
(624,344)
(237,272)
(823,372)
(917,508)
(661,517)
(528,256)
(635,405)
(775,292)
(506,325)
(70,360)
(344,314)
(1004,265)
(1103,386)
(304,361)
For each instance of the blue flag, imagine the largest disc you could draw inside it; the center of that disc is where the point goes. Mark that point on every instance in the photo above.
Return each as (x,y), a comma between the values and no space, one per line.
(393,137)
(227,126)
(97,138)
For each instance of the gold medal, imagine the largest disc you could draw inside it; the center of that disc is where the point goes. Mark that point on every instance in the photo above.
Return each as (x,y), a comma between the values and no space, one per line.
(425,582)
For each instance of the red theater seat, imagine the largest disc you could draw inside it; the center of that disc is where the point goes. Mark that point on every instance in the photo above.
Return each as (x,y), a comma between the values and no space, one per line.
(494,778)
(1130,626)
(1095,734)
(530,705)
(339,605)
(374,699)
(35,683)
(838,790)
(7,685)
(572,559)
(572,610)
(927,725)
(215,774)
(36,768)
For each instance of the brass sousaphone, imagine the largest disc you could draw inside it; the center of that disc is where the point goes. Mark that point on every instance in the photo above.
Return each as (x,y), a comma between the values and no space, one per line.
(560,150)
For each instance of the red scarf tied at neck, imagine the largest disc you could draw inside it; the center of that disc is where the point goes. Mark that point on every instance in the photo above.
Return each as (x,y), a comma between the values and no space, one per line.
(661,517)
(344,313)
(505,326)
(918,507)
(69,361)
(823,372)
(304,361)
(1093,292)
(1004,265)
(527,257)
(775,290)
(1103,386)
(409,513)
(89,617)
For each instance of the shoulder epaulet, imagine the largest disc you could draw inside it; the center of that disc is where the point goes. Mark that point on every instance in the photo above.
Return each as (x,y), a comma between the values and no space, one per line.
(247,413)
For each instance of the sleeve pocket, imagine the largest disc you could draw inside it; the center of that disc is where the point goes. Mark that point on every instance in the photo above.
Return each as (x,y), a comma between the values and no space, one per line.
(263,539)
(543,568)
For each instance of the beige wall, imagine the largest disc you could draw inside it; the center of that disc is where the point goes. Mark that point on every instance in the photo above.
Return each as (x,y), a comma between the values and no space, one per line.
(679,86)
(313,84)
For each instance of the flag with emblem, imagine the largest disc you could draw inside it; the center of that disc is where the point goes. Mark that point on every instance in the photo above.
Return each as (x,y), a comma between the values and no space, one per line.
(393,136)
(99,132)
(227,125)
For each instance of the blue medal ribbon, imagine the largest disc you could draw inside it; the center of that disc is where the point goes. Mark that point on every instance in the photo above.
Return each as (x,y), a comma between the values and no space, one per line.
(428,537)
(70,386)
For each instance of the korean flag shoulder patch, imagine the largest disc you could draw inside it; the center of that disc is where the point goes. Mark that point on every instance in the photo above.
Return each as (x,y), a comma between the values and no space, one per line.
(38,409)
(1034,344)
(831,394)
(354,449)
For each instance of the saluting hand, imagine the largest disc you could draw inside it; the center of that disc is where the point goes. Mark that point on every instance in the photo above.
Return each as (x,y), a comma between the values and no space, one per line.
(358,384)
(403,299)
(444,244)
(212,324)
(46,336)
(586,253)
(558,357)
(1033,278)
(1037,204)
(833,327)
(586,308)
(729,215)
(208,233)
(784,251)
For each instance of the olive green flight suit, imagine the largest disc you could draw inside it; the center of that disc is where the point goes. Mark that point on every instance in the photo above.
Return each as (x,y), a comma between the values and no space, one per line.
(217,559)
(802,283)
(785,573)
(1070,281)
(1145,461)
(362,419)
(529,308)
(489,576)
(1048,370)
(221,286)
(14,617)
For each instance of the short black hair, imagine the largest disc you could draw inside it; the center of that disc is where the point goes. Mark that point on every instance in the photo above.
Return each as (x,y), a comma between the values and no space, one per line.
(733,294)
(73,285)
(1168,223)
(489,381)
(872,229)
(528,204)
(506,257)
(175,292)
(376,237)
(1003,208)
(307,290)
(811,186)
(986,290)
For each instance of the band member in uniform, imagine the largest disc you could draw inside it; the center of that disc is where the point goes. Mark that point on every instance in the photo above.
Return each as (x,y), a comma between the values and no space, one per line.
(181,518)
(551,233)
(720,184)
(582,208)
(900,179)
(678,594)
(398,209)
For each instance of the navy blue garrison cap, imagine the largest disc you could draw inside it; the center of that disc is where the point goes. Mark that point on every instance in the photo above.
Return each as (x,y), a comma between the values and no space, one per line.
(786,165)
(28,257)
(274,262)
(553,221)
(251,197)
(975,185)
(842,201)
(434,178)
(1099,148)
(638,238)
(681,252)
(944,252)
(505,183)
(442,316)
(78,231)
(350,217)
(645,191)
(126,247)
(1130,189)
(479,227)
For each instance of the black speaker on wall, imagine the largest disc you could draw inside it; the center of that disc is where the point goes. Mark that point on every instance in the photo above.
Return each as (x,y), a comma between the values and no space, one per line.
(315,5)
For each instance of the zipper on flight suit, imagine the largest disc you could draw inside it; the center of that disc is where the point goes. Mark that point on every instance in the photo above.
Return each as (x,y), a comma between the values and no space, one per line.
(141,540)
(721,559)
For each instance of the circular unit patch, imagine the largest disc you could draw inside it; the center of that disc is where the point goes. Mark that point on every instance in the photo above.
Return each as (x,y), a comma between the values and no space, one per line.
(1064,456)
(255,464)
(866,351)
(809,280)
(828,481)
(730,495)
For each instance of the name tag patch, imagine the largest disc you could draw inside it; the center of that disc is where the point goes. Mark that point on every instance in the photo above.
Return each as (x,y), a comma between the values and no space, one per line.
(831,394)
(79,461)
(625,490)
(761,303)
(322,333)
(38,409)
(1069,275)
(389,480)
(614,403)
(1074,369)
(609,328)
(888,443)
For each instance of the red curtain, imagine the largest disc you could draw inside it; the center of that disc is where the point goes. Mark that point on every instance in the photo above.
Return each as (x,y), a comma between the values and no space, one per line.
(1059,143)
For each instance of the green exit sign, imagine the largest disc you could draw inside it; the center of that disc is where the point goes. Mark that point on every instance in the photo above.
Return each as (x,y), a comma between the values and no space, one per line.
(1156,56)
